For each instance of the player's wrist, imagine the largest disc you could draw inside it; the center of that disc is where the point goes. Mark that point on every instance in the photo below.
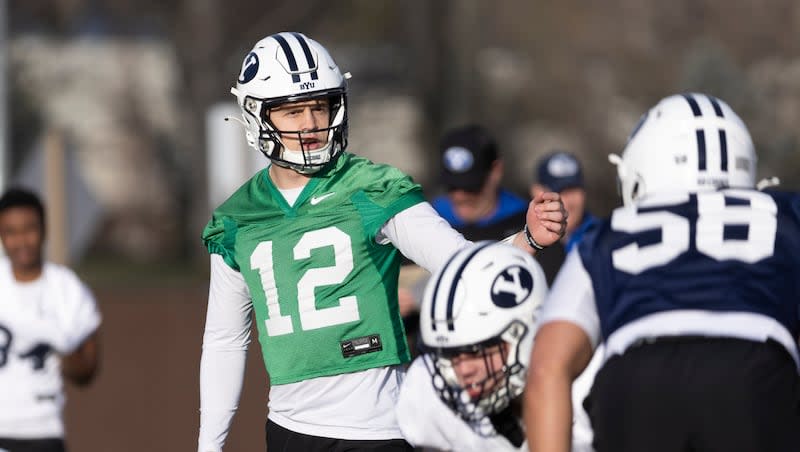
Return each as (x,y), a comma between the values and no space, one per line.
(531,241)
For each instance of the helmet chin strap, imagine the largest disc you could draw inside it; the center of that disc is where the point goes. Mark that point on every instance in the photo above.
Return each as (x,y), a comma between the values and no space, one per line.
(290,158)
(296,156)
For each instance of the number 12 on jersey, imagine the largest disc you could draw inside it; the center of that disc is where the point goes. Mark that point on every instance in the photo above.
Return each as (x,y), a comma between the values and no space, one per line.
(310,316)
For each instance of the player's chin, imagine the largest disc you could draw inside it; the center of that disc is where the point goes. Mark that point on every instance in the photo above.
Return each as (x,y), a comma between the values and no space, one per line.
(24,258)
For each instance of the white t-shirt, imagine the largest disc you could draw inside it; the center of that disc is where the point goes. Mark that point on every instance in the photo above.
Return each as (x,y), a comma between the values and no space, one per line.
(39,321)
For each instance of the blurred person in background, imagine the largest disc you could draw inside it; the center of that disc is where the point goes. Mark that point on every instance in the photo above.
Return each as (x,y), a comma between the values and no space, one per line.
(562,173)
(464,393)
(475,204)
(309,249)
(48,331)
(692,286)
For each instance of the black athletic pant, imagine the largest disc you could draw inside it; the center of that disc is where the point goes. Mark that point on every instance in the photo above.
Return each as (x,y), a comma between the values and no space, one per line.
(697,395)
(32,445)
(280,439)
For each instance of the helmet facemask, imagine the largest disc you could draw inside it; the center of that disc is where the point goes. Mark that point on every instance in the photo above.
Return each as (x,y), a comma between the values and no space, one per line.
(269,142)
(503,381)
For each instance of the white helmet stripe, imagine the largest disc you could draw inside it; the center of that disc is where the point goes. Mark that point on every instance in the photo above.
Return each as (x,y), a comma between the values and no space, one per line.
(693,104)
(451,295)
(723,138)
(312,66)
(715,104)
(436,291)
(287,50)
(702,150)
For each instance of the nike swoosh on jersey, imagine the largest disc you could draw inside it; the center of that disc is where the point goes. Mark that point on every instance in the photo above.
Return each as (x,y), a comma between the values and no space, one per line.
(317,199)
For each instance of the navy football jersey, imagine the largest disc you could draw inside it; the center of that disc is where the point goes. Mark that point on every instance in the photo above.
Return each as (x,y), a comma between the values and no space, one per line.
(731,250)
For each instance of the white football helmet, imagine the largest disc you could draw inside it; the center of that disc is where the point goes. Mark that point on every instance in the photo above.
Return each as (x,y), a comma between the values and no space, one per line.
(687,142)
(486,294)
(290,67)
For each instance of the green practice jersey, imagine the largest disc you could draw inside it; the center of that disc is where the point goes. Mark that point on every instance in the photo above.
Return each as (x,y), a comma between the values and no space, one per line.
(324,292)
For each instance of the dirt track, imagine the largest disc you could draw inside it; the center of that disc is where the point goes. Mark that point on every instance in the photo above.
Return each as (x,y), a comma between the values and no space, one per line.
(146,396)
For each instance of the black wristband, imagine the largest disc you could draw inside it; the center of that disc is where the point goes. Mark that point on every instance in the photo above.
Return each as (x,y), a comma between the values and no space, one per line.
(531,242)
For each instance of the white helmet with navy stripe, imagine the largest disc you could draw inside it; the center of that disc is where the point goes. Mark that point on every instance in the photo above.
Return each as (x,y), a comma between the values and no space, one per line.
(486,294)
(290,67)
(687,142)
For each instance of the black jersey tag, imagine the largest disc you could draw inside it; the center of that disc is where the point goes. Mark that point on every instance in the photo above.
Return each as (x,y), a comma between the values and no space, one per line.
(361,345)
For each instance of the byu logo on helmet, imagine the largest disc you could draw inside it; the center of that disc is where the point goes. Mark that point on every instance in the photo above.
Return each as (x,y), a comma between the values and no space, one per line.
(249,68)
(511,287)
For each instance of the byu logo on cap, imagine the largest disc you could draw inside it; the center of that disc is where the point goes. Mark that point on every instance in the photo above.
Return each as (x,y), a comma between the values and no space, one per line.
(458,159)
(562,165)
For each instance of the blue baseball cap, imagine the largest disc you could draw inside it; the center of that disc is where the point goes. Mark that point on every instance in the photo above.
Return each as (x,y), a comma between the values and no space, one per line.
(559,170)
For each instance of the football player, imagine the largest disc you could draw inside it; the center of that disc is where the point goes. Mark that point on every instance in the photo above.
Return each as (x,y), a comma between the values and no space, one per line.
(48,330)
(692,285)
(477,326)
(310,246)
